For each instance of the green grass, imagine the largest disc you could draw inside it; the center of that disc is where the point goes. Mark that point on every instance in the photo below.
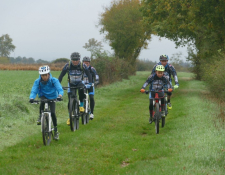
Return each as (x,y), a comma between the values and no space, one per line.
(119,140)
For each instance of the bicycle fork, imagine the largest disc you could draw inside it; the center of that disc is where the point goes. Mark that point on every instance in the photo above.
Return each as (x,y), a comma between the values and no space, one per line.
(49,118)
(155,101)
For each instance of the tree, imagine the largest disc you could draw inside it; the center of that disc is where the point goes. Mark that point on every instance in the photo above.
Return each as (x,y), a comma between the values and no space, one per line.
(30,60)
(122,25)
(6,45)
(40,61)
(93,46)
(198,24)
(61,60)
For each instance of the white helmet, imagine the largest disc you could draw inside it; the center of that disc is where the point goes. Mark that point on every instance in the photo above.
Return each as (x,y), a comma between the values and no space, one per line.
(44,70)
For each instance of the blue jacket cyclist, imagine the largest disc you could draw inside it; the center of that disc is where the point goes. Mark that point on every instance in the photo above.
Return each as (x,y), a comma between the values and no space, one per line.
(47,87)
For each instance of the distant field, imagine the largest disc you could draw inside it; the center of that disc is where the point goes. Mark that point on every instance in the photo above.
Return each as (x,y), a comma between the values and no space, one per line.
(119,140)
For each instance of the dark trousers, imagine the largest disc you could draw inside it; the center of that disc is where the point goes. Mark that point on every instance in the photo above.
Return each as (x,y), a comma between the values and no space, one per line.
(52,108)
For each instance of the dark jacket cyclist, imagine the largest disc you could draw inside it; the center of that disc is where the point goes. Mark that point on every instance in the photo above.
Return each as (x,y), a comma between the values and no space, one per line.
(169,71)
(75,70)
(158,81)
(95,79)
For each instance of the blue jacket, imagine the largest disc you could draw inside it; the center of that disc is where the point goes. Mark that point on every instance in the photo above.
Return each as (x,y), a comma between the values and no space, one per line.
(51,90)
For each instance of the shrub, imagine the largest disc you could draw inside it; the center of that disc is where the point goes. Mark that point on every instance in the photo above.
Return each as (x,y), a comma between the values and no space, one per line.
(111,69)
(4,60)
(214,76)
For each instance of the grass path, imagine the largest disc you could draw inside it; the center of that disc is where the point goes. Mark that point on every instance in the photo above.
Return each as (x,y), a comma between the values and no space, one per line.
(121,141)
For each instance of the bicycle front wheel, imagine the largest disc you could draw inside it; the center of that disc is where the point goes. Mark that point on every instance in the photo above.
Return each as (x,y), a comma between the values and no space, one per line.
(46,133)
(73,115)
(156,117)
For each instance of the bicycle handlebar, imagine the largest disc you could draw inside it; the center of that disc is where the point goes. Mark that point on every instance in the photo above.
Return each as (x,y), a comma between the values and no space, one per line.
(46,101)
(168,90)
(87,86)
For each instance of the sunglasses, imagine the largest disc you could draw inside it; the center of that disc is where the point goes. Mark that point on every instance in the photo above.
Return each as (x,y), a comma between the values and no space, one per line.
(75,59)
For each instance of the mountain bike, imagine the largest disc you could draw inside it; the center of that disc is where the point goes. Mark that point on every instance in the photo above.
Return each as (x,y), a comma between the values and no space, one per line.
(157,109)
(74,111)
(87,110)
(46,121)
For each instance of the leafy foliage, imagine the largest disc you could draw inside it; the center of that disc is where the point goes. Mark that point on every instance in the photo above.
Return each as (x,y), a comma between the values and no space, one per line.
(23,60)
(6,45)
(93,46)
(144,65)
(61,60)
(199,24)
(122,25)
(111,69)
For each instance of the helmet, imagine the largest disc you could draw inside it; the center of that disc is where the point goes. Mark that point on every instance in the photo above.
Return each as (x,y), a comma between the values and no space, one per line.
(44,70)
(75,56)
(87,59)
(164,57)
(160,68)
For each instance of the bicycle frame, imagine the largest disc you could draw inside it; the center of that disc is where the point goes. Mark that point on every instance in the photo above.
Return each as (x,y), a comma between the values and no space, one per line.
(47,111)
(87,86)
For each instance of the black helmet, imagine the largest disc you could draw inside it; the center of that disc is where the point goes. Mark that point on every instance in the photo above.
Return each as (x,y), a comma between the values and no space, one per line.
(87,59)
(75,56)
(163,57)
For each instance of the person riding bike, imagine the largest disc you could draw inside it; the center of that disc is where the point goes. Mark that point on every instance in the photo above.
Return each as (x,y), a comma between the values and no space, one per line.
(157,82)
(47,87)
(95,79)
(75,70)
(169,71)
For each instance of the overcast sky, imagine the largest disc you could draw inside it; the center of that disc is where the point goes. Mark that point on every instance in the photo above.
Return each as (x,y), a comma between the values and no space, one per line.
(51,29)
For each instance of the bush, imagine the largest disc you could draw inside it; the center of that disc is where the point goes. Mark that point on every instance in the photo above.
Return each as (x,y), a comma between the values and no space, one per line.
(112,69)
(214,76)
(61,60)
(144,65)
(4,60)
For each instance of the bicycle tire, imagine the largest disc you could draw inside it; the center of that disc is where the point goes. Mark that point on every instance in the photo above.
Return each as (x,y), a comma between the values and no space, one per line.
(164,118)
(72,116)
(163,121)
(77,114)
(156,118)
(87,117)
(83,116)
(46,135)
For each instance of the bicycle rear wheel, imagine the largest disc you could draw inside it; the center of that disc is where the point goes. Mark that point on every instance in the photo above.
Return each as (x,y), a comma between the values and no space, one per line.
(83,116)
(46,134)
(156,118)
(166,112)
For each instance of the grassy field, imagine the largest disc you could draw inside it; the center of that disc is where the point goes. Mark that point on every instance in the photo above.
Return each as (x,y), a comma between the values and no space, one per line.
(119,140)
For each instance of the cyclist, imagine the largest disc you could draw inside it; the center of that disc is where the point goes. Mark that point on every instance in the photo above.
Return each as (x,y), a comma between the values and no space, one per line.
(47,87)
(91,92)
(75,70)
(169,71)
(157,82)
